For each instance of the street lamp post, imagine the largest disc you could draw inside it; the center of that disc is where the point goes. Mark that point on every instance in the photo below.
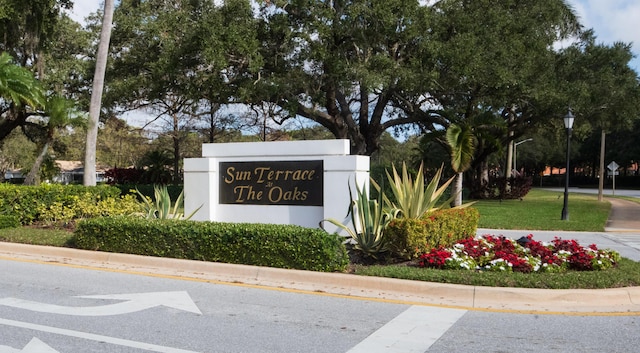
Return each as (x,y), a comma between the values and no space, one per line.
(515,148)
(568,124)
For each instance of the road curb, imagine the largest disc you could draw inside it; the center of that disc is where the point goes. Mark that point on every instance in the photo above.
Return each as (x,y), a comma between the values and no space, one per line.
(614,300)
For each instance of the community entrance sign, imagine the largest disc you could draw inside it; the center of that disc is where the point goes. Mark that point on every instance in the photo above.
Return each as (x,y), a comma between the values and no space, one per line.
(272,183)
(283,182)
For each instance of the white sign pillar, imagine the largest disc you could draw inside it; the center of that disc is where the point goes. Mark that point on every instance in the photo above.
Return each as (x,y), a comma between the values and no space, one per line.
(265,185)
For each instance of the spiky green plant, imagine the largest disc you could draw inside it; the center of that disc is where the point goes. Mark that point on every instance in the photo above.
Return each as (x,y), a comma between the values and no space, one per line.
(412,199)
(369,219)
(162,207)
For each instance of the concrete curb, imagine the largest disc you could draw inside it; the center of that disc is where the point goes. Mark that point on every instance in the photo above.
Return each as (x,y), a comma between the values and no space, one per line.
(616,300)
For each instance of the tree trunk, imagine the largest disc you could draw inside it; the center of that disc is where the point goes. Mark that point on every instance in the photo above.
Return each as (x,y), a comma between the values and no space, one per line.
(457,190)
(32,178)
(176,160)
(603,134)
(89,178)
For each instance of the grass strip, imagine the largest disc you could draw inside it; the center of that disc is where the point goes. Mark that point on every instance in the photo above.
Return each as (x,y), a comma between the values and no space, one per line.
(541,210)
(37,236)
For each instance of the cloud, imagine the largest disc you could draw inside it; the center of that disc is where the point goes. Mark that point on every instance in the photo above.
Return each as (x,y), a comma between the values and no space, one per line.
(612,21)
(82,9)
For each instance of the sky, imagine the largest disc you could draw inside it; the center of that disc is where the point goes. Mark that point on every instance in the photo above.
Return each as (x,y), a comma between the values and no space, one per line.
(612,20)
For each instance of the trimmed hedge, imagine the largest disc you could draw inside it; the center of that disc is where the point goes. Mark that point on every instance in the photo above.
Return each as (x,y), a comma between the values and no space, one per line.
(409,237)
(9,222)
(283,246)
(54,202)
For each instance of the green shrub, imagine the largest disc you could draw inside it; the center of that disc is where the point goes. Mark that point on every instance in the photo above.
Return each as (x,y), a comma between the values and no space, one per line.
(409,237)
(283,246)
(63,203)
(9,222)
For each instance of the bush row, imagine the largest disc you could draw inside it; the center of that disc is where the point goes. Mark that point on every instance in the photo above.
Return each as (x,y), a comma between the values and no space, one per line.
(410,237)
(283,246)
(499,188)
(63,203)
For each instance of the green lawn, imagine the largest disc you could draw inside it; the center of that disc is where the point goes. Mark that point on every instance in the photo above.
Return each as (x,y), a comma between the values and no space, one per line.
(36,236)
(541,210)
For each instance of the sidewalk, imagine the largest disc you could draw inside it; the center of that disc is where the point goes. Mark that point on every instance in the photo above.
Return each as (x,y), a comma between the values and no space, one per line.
(624,216)
(623,232)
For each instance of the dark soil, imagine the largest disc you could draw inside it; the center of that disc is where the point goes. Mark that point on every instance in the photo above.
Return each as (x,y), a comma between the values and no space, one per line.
(68,226)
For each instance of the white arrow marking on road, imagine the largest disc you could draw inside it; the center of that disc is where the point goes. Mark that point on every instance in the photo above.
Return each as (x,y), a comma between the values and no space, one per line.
(92,337)
(35,346)
(132,303)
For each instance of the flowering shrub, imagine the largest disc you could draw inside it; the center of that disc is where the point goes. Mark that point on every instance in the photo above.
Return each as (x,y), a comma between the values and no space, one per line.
(498,253)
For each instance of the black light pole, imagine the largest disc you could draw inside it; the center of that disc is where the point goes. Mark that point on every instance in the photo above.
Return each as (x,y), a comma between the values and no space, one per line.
(568,124)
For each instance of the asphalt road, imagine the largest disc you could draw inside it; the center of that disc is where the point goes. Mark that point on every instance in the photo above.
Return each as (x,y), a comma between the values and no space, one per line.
(49,308)
(59,308)
(47,303)
(605,192)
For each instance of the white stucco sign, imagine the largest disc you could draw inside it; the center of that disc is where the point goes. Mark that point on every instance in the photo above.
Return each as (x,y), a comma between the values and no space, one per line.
(283,182)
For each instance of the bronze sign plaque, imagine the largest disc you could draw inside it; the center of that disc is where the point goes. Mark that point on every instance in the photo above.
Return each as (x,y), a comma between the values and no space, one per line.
(298,183)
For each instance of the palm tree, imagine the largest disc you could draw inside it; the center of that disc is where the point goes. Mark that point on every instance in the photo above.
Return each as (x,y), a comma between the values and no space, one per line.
(59,113)
(89,178)
(157,167)
(461,143)
(17,84)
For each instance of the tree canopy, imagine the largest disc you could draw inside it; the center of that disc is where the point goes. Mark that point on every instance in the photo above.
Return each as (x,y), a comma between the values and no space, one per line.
(360,69)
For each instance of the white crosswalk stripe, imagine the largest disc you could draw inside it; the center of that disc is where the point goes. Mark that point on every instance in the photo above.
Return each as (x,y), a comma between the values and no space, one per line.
(413,331)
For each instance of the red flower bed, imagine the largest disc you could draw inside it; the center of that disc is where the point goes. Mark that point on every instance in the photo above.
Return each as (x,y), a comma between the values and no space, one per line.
(498,253)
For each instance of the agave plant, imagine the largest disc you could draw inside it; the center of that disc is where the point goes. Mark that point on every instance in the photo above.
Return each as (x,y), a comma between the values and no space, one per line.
(369,219)
(161,207)
(412,198)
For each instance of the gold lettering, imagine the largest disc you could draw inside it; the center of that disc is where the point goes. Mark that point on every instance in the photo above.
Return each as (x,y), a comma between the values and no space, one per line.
(230,171)
(275,198)
(238,191)
(288,173)
(237,176)
(243,175)
(305,174)
(260,172)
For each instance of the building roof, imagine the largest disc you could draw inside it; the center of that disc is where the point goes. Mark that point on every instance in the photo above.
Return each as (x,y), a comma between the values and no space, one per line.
(75,167)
